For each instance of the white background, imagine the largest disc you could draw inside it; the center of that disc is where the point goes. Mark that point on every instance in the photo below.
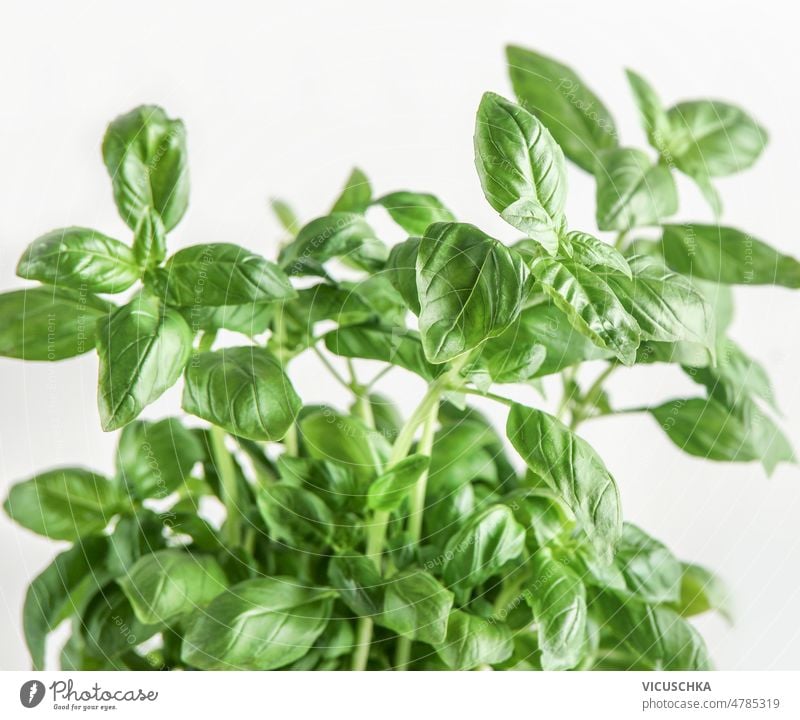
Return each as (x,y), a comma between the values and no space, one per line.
(282,98)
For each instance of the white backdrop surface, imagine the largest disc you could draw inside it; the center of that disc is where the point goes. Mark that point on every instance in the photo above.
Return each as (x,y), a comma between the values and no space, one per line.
(282,98)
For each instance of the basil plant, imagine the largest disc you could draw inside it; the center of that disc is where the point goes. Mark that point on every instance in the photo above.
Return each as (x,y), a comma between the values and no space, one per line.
(254,531)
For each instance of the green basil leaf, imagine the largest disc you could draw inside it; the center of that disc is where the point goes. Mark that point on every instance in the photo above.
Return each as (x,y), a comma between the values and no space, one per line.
(154,458)
(81,259)
(143,349)
(243,390)
(709,138)
(49,323)
(296,516)
(512,357)
(342,234)
(221,274)
(358,583)
(471,288)
(260,624)
(726,255)
(135,535)
(652,573)
(573,469)
(286,216)
(389,490)
(61,590)
(65,504)
(145,154)
(401,268)
(357,194)
(345,440)
(250,319)
(169,583)
(595,254)
(654,116)
(590,304)
(109,626)
(579,121)
(708,429)
(149,240)
(521,169)
(394,345)
(631,191)
(558,600)
(666,306)
(702,591)
(416,606)
(734,376)
(656,637)
(472,641)
(414,212)
(481,547)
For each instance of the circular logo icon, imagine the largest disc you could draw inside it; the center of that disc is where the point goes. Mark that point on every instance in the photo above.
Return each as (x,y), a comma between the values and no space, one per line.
(31,693)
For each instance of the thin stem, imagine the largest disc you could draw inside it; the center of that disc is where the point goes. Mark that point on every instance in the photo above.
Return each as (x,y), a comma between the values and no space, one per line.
(332,370)
(363,641)
(591,395)
(416,510)
(228,484)
(379,376)
(619,243)
(290,442)
(486,394)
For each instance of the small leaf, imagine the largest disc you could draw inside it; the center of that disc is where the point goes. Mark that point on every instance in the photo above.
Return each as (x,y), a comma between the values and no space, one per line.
(416,606)
(143,349)
(414,212)
(702,591)
(149,240)
(521,169)
(356,196)
(595,254)
(81,259)
(145,154)
(65,504)
(243,390)
(471,288)
(393,486)
(358,583)
(726,255)
(296,516)
(652,573)
(571,467)
(579,121)
(401,268)
(631,191)
(654,116)
(285,215)
(260,624)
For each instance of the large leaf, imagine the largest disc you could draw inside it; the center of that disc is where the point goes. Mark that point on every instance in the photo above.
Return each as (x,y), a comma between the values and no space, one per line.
(573,469)
(65,504)
(726,255)
(415,211)
(81,259)
(481,548)
(416,606)
(521,169)
(709,138)
(145,154)
(221,274)
(471,288)
(168,583)
(258,624)
(579,121)
(588,300)
(243,390)
(61,590)
(709,429)
(558,599)
(143,349)
(49,323)
(154,458)
(631,191)
(472,641)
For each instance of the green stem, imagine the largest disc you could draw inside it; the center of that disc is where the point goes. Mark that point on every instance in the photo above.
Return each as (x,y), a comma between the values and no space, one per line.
(228,484)
(486,394)
(416,511)
(590,396)
(332,370)
(619,243)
